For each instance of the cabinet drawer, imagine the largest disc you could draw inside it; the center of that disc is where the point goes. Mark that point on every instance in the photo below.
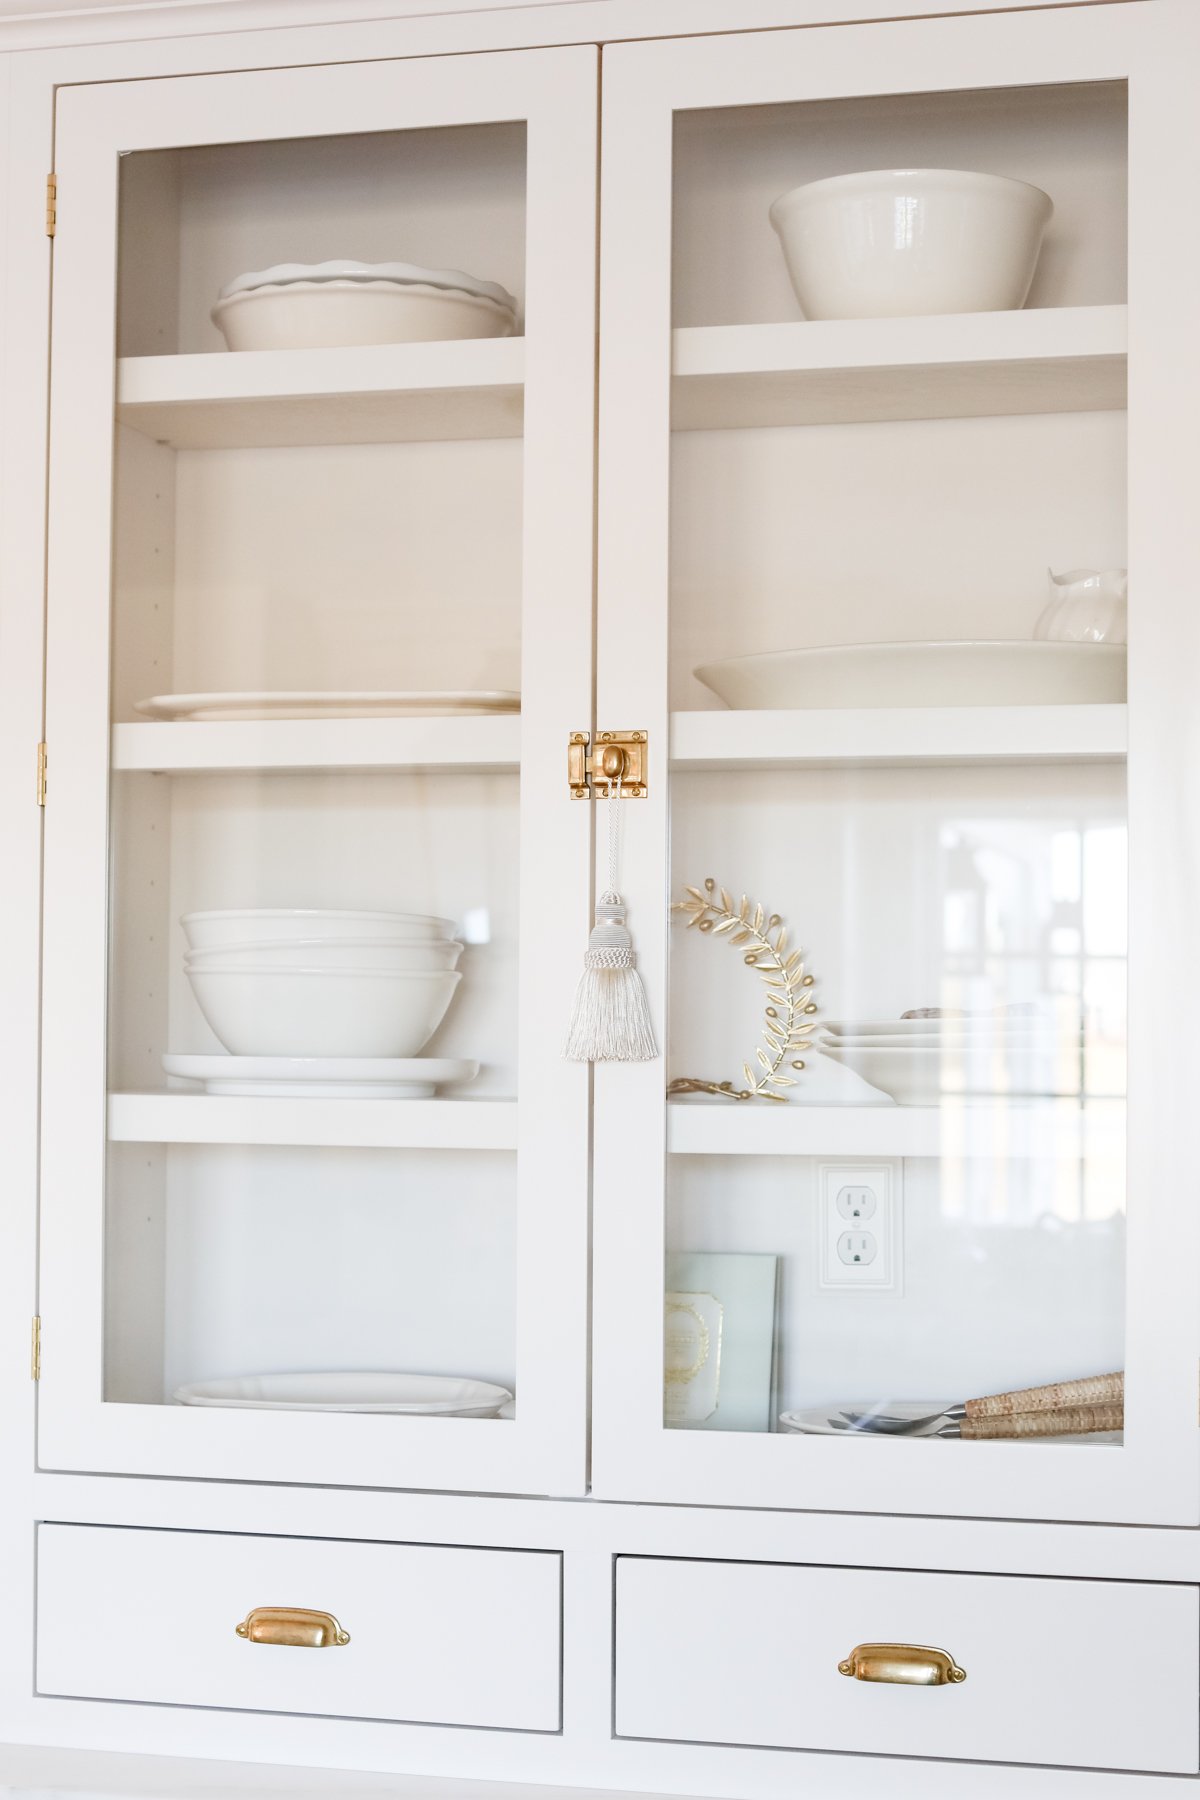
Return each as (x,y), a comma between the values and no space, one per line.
(437,1635)
(1090,1673)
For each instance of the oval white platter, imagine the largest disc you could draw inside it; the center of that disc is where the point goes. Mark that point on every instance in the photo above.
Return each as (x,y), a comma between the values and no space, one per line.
(369,1391)
(323,1077)
(934,674)
(328,706)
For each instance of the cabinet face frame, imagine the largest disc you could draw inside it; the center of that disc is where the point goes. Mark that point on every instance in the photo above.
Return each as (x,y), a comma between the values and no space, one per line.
(1155,1477)
(544,1449)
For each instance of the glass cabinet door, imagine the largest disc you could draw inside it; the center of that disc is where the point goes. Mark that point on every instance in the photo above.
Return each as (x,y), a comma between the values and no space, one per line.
(911,1227)
(320,602)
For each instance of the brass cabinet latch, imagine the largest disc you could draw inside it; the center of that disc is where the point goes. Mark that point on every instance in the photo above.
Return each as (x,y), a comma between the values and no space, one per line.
(35,1350)
(619,756)
(51,205)
(41,774)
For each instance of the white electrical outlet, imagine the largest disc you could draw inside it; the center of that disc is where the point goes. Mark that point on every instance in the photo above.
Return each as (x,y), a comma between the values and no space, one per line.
(859,1235)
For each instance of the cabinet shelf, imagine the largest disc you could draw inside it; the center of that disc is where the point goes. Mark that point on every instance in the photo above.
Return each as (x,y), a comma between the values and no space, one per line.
(900,735)
(460,745)
(849,371)
(373,394)
(445,1124)
(967,1128)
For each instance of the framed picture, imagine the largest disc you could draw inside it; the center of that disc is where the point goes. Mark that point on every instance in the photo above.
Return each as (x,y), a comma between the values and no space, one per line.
(719,1341)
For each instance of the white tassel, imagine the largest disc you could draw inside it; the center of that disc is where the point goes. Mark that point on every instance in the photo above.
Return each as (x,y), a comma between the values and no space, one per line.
(611,1020)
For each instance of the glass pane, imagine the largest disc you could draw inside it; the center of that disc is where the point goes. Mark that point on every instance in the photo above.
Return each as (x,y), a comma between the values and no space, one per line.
(314,807)
(925,793)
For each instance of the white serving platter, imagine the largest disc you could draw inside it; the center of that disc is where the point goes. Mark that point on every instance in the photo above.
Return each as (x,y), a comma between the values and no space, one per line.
(370,1391)
(323,1077)
(433,704)
(918,1076)
(926,675)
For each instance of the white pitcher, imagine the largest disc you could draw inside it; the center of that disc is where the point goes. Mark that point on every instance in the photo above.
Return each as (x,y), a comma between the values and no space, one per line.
(1087,606)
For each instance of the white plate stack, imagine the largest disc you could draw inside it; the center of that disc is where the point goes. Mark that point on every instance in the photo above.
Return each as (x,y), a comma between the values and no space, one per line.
(328,999)
(315,306)
(921,1061)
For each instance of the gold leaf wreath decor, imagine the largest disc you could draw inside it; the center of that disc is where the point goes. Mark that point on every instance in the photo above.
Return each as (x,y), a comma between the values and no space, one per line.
(789,1023)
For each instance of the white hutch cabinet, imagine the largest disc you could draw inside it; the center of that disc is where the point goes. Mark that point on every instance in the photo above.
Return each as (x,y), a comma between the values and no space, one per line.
(910,1170)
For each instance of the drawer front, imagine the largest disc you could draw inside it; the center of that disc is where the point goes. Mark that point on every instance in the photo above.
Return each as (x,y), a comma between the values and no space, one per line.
(1099,1674)
(438,1635)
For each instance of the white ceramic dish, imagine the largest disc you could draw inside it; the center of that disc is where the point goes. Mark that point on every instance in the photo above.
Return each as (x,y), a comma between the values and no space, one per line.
(332,953)
(429,705)
(323,1012)
(238,926)
(982,1022)
(919,1077)
(321,315)
(891,243)
(934,674)
(828,1421)
(322,1077)
(325,1078)
(371,1391)
(1086,606)
(283,274)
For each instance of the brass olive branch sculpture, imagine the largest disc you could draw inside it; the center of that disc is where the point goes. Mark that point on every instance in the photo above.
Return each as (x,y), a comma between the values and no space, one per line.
(789,1020)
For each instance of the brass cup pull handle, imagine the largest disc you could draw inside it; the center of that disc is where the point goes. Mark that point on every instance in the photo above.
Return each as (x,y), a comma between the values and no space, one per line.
(295,1625)
(913,1665)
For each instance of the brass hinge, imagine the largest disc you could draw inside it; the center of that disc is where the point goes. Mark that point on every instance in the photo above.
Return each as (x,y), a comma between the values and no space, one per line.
(41,775)
(35,1350)
(620,756)
(51,205)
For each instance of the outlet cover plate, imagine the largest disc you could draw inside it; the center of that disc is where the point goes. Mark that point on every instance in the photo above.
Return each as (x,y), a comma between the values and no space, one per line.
(885,1181)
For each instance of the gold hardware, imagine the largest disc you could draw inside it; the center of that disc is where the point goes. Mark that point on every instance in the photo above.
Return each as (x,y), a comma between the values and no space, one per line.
(35,1350)
(51,205)
(41,775)
(914,1665)
(294,1625)
(619,756)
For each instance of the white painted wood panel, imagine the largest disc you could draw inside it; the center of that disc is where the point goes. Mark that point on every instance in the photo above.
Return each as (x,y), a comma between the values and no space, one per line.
(446,1123)
(1100,1674)
(149,1615)
(741,116)
(899,736)
(844,371)
(246,548)
(388,393)
(460,745)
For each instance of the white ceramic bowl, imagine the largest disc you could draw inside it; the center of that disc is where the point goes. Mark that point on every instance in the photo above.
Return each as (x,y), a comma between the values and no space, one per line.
(274,925)
(890,243)
(410,274)
(332,953)
(323,1012)
(319,315)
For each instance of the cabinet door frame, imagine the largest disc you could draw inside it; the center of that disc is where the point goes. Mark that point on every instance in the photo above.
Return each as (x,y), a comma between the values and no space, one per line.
(555,91)
(1155,1477)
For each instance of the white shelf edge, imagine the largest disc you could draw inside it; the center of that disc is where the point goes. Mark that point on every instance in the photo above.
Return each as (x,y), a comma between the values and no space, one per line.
(469,387)
(439,1124)
(957,1129)
(868,736)
(451,744)
(1050,359)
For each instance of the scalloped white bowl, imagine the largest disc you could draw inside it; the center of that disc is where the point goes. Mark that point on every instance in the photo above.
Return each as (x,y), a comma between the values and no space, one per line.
(322,315)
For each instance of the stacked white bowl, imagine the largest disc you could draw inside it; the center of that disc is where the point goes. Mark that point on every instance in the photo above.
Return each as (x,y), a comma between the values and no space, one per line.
(307,982)
(313,306)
